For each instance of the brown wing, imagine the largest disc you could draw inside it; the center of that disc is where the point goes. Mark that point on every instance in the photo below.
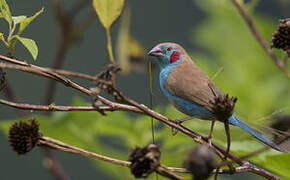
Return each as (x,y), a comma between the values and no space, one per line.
(189,82)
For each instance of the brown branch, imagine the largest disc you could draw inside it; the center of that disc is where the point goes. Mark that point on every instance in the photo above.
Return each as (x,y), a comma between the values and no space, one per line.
(45,72)
(241,169)
(259,37)
(33,107)
(52,143)
(75,74)
(162,169)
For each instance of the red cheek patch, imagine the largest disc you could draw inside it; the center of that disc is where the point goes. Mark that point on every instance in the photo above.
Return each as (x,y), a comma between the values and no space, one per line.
(174,56)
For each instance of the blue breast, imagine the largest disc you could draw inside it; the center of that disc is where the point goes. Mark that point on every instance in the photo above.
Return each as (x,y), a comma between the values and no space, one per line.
(183,105)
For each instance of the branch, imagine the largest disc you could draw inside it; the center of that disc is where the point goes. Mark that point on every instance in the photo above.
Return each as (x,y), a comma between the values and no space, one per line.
(259,37)
(135,107)
(45,72)
(34,107)
(75,74)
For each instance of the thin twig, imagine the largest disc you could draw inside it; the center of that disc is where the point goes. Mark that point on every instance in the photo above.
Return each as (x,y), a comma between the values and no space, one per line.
(259,37)
(34,107)
(75,74)
(46,73)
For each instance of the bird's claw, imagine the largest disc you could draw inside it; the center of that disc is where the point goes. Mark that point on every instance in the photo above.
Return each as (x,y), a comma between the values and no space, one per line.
(208,139)
(173,130)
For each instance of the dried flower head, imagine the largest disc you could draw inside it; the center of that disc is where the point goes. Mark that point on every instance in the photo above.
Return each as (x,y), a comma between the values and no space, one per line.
(201,162)
(223,107)
(23,136)
(144,160)
(281,37)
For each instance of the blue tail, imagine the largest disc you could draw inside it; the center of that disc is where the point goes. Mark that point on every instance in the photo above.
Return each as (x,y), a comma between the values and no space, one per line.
(237,122)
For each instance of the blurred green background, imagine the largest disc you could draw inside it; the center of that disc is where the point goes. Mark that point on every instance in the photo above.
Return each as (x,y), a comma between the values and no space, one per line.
(217,39)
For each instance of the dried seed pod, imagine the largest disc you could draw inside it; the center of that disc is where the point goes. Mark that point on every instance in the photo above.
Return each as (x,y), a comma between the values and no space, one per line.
(145,160)
(24,136)
(223,107)
(281,37)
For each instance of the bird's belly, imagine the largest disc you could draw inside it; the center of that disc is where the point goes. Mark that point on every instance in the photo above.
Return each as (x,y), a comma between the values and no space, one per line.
(187,107)
(191,109)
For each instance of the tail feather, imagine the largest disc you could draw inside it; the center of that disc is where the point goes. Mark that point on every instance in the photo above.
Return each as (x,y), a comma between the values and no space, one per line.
(237,122)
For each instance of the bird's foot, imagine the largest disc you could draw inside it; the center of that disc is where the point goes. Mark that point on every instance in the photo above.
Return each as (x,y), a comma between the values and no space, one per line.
(179,122)
(210,133)
(173,130)
(208,138)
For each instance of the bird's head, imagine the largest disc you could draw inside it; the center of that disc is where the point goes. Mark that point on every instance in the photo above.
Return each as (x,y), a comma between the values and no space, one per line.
(167,53)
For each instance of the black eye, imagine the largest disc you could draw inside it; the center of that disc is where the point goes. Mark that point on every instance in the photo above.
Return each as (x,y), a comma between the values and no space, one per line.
(169,49)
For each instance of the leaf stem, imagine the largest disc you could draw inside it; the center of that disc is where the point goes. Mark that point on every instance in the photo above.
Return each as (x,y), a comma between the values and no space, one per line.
(109,45)
(11,44)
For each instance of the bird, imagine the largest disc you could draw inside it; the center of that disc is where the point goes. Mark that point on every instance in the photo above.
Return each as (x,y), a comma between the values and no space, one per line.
(190,90)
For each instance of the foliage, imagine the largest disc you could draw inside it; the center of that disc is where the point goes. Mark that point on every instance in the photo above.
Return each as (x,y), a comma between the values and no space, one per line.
(22,22)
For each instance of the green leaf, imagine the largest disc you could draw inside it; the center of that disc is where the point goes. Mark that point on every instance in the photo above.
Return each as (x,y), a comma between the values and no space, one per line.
(18,19)
(30,45)
(5,12)
(28,20)
(108,11)
(3,39)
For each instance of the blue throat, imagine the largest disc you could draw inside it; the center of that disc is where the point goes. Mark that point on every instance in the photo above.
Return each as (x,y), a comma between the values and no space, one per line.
(185,106)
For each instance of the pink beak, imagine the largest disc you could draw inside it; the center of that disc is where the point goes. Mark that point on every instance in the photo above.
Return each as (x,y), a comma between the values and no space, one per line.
(156,51)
